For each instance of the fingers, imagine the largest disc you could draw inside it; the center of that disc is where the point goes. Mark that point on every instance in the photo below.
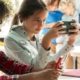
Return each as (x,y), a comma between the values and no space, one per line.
(72,30)
(58,25)
(51,74)
(71,27)
(55,74)
(50,65)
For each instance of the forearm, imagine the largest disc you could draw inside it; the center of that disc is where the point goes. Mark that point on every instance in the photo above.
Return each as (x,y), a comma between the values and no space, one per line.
(6,77)
(46,43)
(64,50)
(29,76)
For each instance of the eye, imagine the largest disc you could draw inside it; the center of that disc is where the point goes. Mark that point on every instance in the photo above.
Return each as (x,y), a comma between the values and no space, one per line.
(39,20)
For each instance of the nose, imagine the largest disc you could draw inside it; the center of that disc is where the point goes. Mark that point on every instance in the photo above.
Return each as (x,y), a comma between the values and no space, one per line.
(41,24)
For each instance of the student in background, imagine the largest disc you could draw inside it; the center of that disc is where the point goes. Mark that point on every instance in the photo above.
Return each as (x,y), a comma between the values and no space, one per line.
(14,69)
(53,17)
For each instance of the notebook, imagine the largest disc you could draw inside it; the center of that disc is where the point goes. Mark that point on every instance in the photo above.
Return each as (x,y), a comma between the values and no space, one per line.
(72,73)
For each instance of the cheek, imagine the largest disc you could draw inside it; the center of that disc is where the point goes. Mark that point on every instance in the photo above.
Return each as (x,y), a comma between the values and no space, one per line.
(33,26)
(34,23)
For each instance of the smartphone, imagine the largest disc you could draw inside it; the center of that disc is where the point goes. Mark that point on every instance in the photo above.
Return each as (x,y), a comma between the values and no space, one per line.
(69,25)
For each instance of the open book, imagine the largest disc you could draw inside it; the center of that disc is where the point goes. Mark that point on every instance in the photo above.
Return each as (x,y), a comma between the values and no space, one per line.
(72,73)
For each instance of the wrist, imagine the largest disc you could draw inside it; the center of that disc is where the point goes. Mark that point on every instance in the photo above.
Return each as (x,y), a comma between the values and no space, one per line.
(47,49)
(70,42)
(46,44)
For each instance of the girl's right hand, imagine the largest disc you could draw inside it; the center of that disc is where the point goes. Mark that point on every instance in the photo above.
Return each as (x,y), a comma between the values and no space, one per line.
(54,32)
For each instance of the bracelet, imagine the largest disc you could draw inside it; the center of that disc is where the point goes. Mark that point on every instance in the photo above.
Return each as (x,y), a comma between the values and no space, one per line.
(15,77)
(48,49)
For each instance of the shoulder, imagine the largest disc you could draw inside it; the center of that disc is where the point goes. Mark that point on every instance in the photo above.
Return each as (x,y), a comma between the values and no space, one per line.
(17,31)
(16,28)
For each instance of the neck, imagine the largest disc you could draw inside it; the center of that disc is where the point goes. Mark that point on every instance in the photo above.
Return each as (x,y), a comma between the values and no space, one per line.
(30,35)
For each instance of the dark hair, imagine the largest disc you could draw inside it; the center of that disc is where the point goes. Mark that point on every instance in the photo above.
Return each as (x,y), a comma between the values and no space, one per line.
(4,11)
(27,9)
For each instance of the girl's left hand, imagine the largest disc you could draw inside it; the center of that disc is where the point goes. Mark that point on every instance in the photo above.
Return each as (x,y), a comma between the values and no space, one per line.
(73,34)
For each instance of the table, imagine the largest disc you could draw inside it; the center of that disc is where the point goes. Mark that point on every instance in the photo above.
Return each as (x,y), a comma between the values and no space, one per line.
(68,78)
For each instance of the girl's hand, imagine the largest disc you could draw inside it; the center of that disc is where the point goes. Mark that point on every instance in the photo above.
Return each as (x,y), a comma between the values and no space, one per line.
(72,36)
(55,64)
(54,32)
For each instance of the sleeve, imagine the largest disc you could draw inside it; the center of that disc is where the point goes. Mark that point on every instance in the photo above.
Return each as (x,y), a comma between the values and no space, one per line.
(64,50)
(42,58)
(12,67)
(17,52)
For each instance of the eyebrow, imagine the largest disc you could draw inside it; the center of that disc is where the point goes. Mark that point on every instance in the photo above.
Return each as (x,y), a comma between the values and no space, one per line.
(38,18)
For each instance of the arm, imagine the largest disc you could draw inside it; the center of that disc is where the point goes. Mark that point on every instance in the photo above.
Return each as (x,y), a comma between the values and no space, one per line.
(65,49)
(4,77)
(21,52)
(24,54)
(10,66)
(18,51)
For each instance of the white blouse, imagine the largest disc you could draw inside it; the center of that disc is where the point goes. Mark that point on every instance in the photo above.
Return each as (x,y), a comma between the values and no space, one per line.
(19,47)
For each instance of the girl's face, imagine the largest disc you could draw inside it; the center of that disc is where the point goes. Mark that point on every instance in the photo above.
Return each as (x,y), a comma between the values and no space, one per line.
(34,23)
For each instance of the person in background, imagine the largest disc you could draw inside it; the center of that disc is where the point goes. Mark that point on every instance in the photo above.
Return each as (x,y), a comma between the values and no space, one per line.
(14,69)
(53,17)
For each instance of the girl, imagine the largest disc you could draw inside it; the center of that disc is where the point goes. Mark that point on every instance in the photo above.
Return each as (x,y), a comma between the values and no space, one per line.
(23,45)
